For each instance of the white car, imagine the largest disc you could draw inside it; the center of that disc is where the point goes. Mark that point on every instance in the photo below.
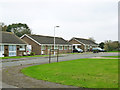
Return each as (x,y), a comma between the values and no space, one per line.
(78,50)
(98,49)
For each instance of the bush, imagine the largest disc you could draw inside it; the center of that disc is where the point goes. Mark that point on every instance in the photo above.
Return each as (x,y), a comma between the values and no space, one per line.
(95,51)
(32,53)
(112,45)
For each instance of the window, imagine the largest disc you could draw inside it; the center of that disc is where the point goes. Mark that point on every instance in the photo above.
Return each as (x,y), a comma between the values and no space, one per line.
(1,48)
(28,48)
(12,54)
(65,47)
(70,47)
(56,47)
(50,47)
(22,47)
(78,46)
(61,47)
(42,47)
(12,48)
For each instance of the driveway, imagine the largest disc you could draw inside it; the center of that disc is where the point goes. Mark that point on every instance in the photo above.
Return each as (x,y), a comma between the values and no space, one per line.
(12,76)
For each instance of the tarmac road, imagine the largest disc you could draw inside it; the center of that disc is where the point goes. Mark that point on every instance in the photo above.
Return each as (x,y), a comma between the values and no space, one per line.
(42,60)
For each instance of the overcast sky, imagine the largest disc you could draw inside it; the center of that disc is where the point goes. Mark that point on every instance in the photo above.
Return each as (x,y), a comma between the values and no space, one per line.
(76,18)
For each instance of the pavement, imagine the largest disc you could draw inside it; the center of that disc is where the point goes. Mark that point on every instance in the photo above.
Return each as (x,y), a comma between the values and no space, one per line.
(2,84)
(43,60)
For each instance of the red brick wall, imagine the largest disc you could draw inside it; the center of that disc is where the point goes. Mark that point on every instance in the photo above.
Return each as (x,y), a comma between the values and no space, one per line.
(19,52)
(60,51)
(76,42)
(35,47)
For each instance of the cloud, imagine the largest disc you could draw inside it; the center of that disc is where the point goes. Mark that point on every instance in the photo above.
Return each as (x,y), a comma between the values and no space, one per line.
(86,1)
(80,18)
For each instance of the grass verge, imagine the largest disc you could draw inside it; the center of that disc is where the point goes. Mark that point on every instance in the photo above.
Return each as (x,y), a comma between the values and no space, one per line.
(87,73)
(113,51)
(112,56)
(15,57)
(22,56)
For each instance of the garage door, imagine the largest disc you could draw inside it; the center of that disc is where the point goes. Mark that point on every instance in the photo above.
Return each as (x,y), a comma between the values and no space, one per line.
(12,50)
(1,50)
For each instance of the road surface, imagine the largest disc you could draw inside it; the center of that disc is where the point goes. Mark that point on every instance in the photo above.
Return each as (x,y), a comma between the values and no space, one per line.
(42,60)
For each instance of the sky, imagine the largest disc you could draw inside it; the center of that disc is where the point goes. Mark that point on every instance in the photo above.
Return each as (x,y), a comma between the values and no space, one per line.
(77,18)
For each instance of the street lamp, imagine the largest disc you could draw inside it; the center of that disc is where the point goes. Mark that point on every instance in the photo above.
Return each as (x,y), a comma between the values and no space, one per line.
(54,37)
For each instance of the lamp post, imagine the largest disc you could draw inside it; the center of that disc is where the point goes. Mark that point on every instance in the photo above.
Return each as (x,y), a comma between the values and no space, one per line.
(54,37)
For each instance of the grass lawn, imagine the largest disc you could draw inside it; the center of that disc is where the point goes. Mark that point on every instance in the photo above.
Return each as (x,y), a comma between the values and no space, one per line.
(22,56)
(112,56)
(88,73)
(113,51)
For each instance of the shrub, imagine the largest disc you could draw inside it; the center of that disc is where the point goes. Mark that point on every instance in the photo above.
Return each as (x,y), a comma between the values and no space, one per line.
(95,51)
(112,45)
(32,53)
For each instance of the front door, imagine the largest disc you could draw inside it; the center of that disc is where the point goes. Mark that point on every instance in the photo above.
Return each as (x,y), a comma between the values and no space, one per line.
(12,50)
(74,47)
(1,50)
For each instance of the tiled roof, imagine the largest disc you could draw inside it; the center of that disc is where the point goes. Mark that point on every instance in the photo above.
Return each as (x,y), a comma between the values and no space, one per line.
(10,38)
(86,41)
(48,39)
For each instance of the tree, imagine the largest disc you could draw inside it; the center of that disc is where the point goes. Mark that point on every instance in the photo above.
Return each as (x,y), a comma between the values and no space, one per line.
(3,27)
(91,38)
(111,45)
(19,29)
(101,45)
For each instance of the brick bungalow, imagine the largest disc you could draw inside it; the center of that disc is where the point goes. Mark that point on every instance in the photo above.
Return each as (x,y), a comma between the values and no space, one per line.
(11,45)
(41,45)
(84,44)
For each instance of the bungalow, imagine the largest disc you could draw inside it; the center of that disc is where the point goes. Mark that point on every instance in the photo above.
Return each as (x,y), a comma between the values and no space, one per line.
(84,44)
(11,45)
(42,44)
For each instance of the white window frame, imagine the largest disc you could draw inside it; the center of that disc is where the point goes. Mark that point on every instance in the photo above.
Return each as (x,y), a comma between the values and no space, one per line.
(65,48)
(61,48)
(78,46)
(1,47)
(29,48)
(56,46)
(1,50)
(12,47)
(70,47)
(23,47)
(50,47)
(42,47)
(12,50)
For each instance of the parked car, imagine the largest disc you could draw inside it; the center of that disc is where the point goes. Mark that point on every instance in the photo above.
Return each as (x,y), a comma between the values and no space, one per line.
(26,53)
(78,50)
(96,50)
